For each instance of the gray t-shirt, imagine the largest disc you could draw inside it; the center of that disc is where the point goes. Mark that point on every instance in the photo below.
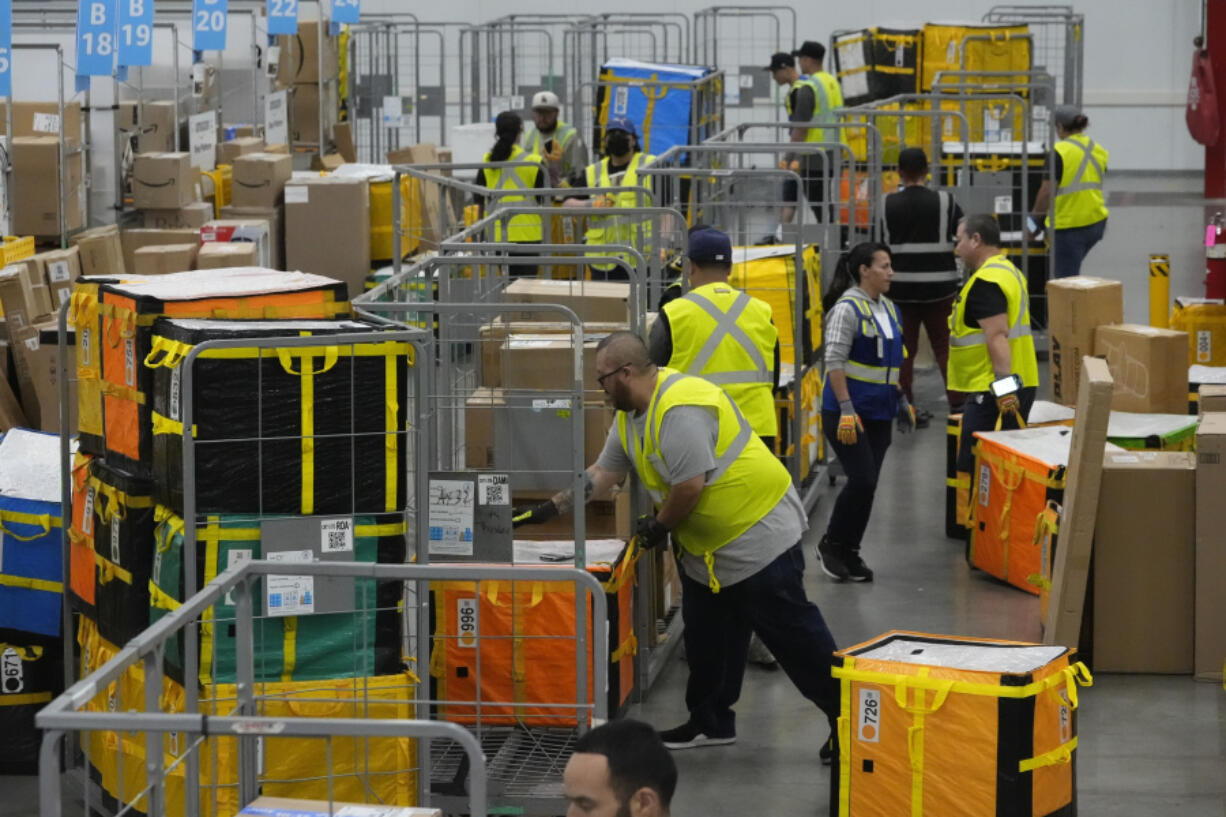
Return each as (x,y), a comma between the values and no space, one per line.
(687,445)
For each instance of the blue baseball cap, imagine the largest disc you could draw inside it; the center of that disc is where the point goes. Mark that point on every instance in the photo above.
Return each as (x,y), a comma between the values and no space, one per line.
(622,123)
(709,246)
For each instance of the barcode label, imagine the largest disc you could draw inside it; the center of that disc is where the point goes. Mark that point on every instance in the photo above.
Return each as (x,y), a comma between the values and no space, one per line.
(87,513)
(985,484)
(336,535)
(174,393)
(129,361)
(494,489)
(86,347)
(115,540)
(1204,346)
(57,272)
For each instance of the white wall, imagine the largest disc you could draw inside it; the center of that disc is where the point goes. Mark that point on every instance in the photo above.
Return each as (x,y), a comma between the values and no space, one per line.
(1137,56)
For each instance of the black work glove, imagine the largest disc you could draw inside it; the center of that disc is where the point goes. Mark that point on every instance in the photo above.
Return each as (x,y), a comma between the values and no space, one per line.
(650,533)
(534,515)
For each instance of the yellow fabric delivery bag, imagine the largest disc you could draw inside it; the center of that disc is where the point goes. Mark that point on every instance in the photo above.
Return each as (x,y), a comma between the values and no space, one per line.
(957,727)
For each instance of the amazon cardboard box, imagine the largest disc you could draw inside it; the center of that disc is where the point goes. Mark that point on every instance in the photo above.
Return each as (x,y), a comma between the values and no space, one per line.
(300,55)
(189,217)
(158,123)
(253,231)
(40,191)
(101,251)
(545,362)
(1145,563)
(592,301)
(221,256)
(276,229)
(1077,306)
(163,181)
(327,229)
(1212,397)
(133,240)
(227,152)
(43,119)
(39,351)
(59,269)
(494,333)
(1210,648)
(161,259)
(304,113)
(259,179)
(1149,366)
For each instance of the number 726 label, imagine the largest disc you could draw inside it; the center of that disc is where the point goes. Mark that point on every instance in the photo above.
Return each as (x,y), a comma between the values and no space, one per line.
(868,729)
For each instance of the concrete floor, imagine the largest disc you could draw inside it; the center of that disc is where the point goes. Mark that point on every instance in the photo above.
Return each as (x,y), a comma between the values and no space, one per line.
(1148,744)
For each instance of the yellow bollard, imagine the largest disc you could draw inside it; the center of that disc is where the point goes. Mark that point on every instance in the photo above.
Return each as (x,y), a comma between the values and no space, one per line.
(1160,291)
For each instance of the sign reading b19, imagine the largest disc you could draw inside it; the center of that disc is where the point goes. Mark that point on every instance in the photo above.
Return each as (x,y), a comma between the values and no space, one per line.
(136,32)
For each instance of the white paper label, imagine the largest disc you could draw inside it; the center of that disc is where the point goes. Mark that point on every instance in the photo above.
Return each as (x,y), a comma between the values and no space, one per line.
(393,112)
(129,361)
(451,517)
(732,89)
(87,513)
(236,557)
(1002,204)
(985,484)
(87,346)
(621,100)
(494,489)
(57,272)
(868,729)
(176,387)
(202,133)
(115,535)
(289,595)
(64,295)
(1125,458)
(276,120)
(547,405)
(12,676)
(46,123)
(746,80)
(297,194)
(466,623)
(32,343)
(1204,346)
(336,535)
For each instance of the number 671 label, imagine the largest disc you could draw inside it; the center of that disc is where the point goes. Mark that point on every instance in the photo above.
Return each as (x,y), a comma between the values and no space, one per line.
(868,729)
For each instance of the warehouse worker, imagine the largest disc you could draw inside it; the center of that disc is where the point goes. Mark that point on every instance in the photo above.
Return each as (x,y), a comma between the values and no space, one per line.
(1081,213)
(810,100)
(919,227)
(726,337)
(809,57)
(619,168)
(619,769)
(559,143)
(524,228)
(730,507)
(991,354)
(860,398)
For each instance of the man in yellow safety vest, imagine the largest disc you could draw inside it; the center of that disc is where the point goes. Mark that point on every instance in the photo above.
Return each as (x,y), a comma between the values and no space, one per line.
(811,100)
(735,517)
(991,349)
(618,169)
(559,143)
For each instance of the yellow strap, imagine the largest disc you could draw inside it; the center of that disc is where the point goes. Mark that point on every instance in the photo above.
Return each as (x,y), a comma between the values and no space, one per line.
(172,352)
(712,582)
(307,373)
(1000,419)
(994,459)
(621,573)
(160,599)
(25,699)
(122,392)
(118,502)
(210,535)
(108,570)
(954,482)
(844,727)
(165,425)
(628,647)
(653,95)
(43,520)
(1061,755)
(27,583)
(1076,673)
(25,653)
(1038,581)
(289,648)
(245,311)
(915,749)
(379,349)
(391,438)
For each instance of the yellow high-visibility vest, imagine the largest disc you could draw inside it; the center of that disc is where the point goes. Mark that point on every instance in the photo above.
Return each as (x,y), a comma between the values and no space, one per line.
(1079,195)
(618,229)
(827,96)
(526,226)
(970,365)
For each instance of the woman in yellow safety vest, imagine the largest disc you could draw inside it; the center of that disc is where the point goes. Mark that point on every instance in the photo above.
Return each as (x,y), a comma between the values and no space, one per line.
(860,397)
(1080,217)
(525,228)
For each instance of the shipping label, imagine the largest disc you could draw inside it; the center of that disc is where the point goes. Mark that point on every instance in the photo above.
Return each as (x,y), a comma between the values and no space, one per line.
(494,489)
(290,595)
(868,724)
(466,621)
(11,673)
(336,535)
(985,485)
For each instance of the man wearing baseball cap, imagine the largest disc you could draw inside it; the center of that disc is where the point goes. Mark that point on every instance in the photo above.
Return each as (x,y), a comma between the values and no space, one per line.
(810,100)
(618,169)
(559,143)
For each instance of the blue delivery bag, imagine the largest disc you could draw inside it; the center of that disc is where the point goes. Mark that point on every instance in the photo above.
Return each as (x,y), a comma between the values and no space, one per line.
(31,533)
(643,91)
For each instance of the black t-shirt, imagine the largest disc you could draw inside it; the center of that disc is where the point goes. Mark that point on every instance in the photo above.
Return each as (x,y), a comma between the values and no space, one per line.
(984,300)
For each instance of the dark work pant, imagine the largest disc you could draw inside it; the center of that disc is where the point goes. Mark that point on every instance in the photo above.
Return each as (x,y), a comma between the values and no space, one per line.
(862,464)
(773,604)
(517,270)
(815,180)
(934,317)
(610,274)
(1070,247)
(979,414)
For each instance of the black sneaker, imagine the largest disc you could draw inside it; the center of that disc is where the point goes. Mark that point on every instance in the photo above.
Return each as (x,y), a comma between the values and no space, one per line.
(830,556)
(857,570)
(690,736)
(826,754)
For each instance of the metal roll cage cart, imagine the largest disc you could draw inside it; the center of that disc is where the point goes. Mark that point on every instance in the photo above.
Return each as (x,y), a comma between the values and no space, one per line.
(740,52)
(1057,44)
(706,105)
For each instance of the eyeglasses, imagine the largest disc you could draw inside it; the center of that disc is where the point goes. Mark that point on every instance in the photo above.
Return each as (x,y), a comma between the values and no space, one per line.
(600,379)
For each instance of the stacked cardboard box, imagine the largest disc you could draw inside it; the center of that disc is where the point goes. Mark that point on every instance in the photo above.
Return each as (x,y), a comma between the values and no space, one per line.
(1149,366)
(165,189)
(1210,641)
(302,68)
(1076,307)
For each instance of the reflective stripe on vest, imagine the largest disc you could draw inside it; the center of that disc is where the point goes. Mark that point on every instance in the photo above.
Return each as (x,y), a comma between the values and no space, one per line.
(1079,193)
(527,226)
(613,230)
(865,372)
(726,327)
(534,141)
(1020,327)
(926,247)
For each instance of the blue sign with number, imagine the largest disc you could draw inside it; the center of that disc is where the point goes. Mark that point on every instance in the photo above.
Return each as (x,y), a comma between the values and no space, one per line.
(96,47)
(136,32)
(6,47)
(346,11)
(282,16)
(209,25)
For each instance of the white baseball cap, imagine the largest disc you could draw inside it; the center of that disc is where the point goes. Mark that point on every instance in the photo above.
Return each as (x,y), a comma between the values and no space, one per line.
(546,99)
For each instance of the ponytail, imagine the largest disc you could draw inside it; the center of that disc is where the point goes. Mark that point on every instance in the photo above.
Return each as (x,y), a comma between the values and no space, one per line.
(502,148)
(1080,123)
(847,272)
(507,126)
